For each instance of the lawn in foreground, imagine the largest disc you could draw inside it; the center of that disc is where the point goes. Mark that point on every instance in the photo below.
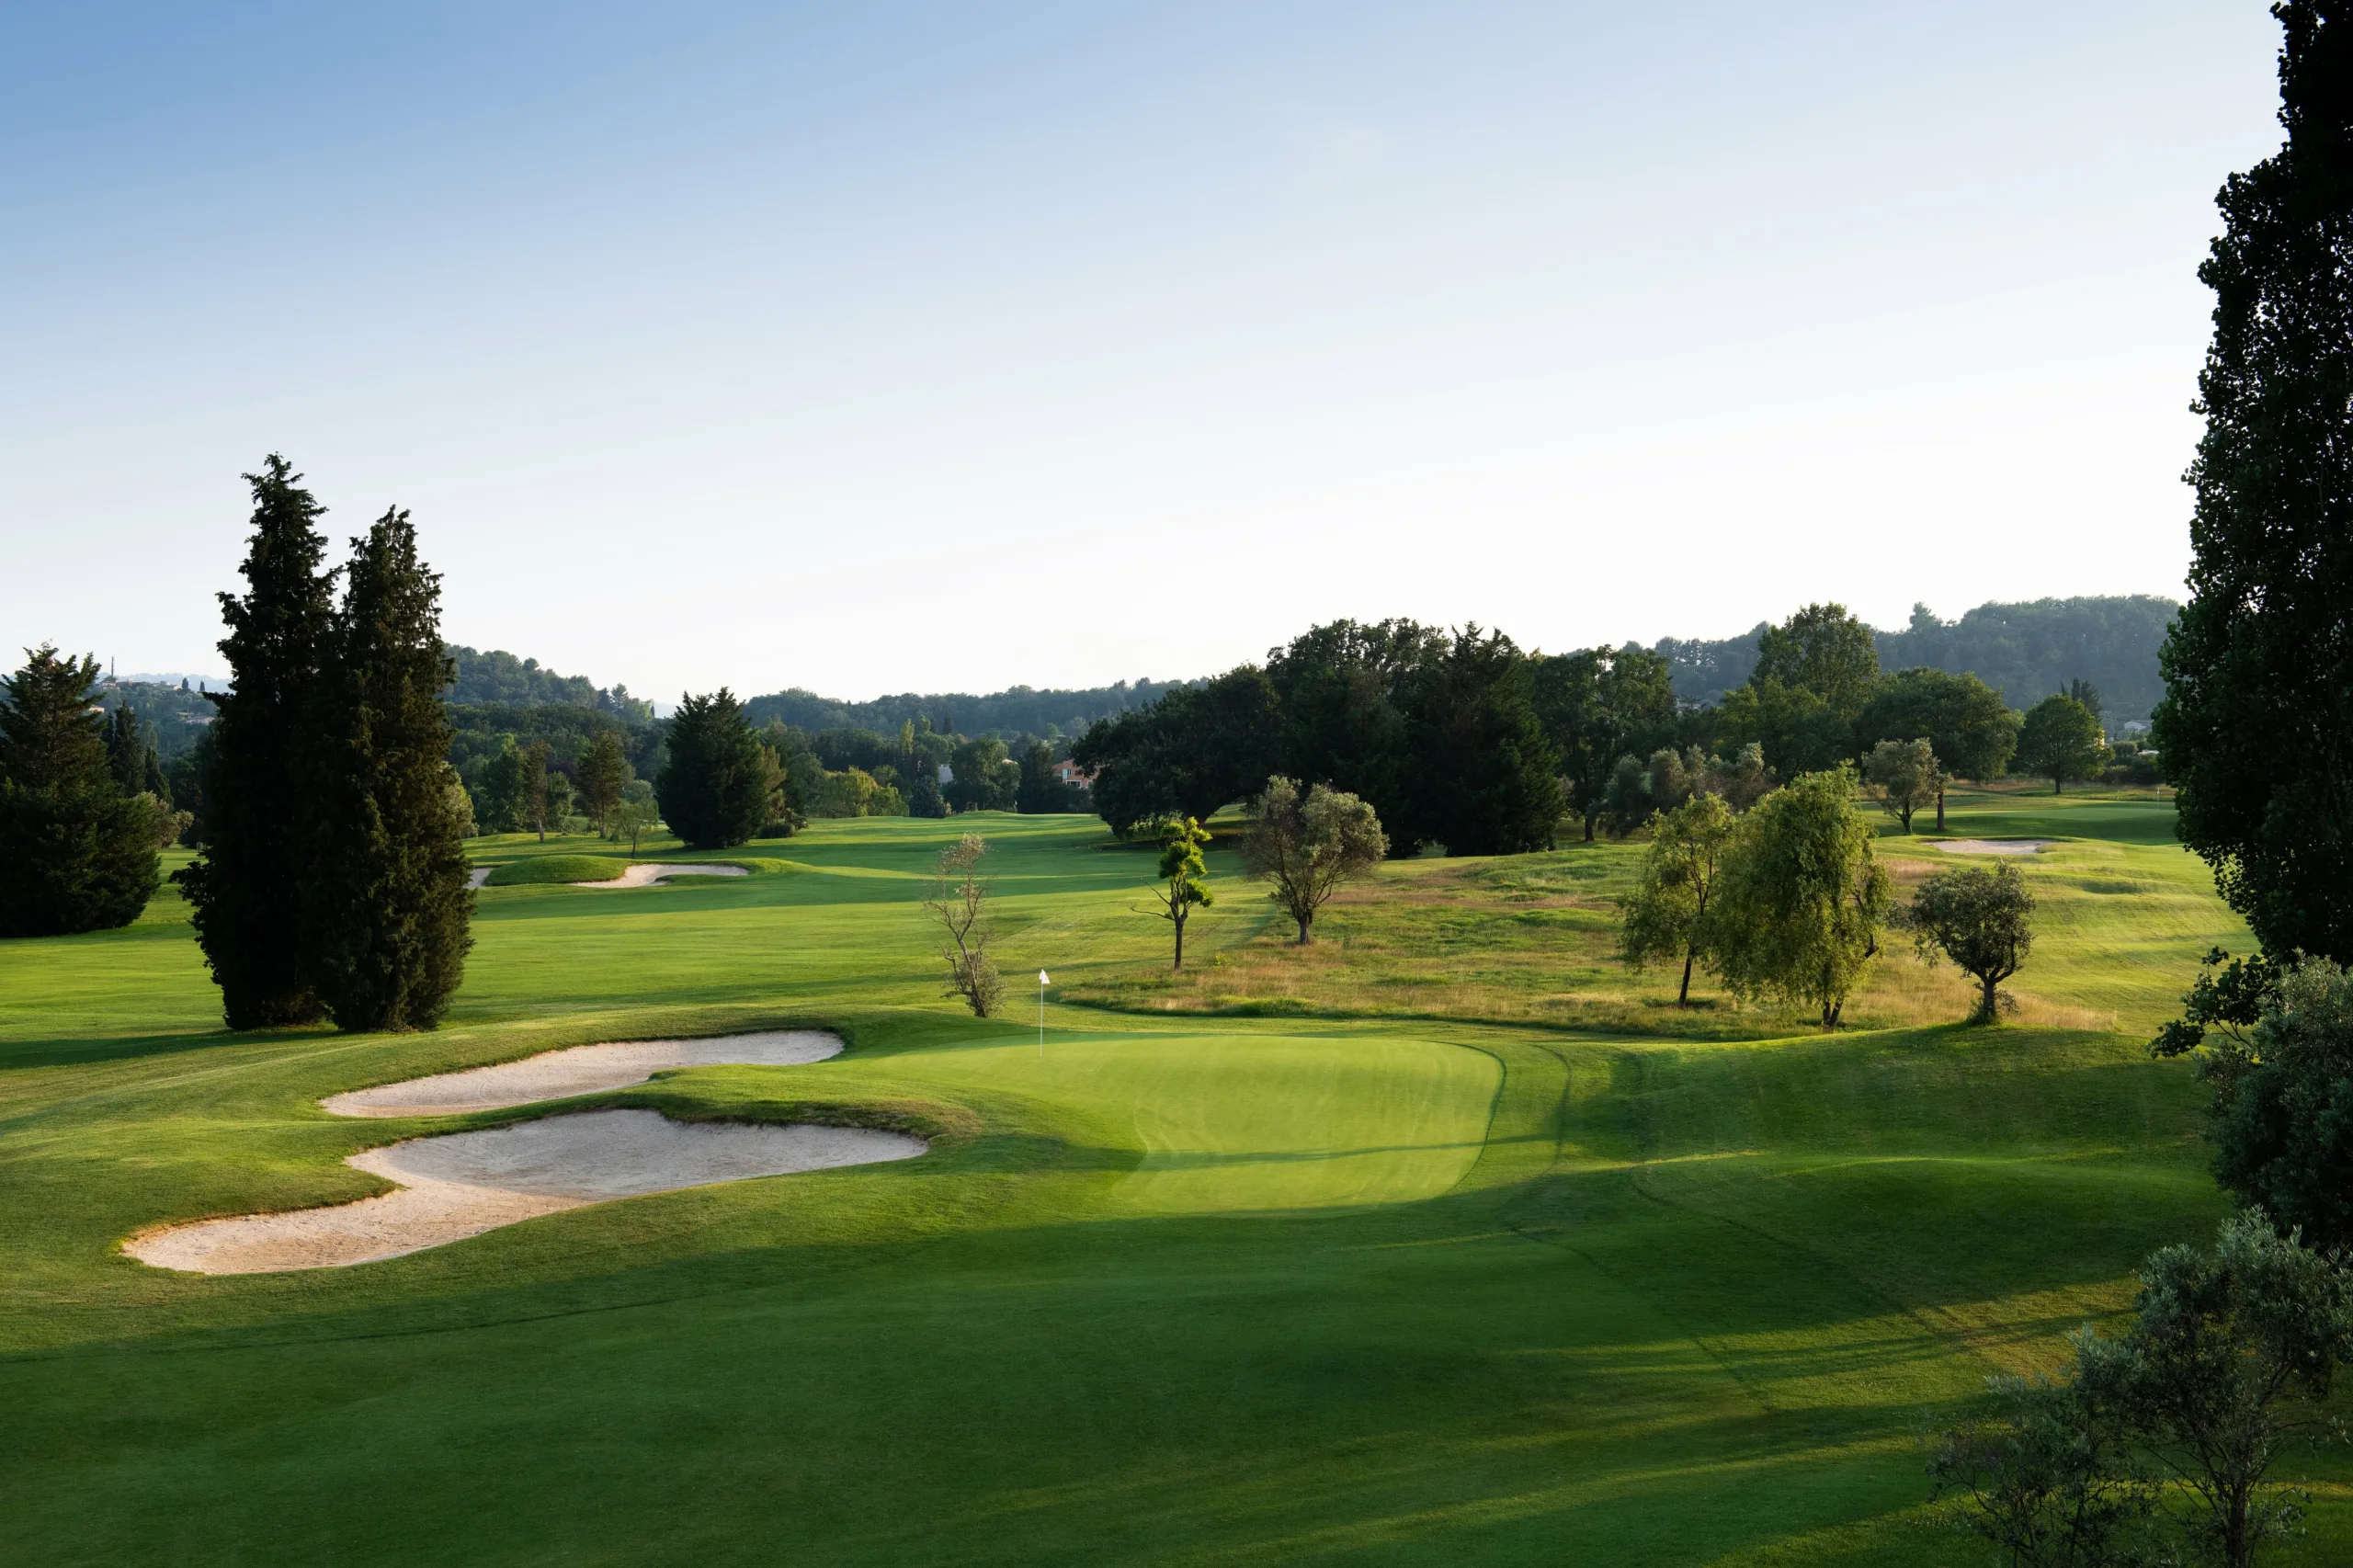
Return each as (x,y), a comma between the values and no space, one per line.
(1177,1290)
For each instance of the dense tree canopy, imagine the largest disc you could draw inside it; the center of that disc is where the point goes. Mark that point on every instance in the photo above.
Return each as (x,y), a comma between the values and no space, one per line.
(1596,706)
(2255,726)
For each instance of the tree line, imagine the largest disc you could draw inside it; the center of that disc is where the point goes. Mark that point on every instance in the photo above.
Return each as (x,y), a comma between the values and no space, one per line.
(1461,739)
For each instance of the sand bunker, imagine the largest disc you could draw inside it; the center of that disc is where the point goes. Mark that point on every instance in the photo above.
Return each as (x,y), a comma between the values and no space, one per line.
(1993,846)
(465,1183)
(583,1070)
(645,874)
(478,876)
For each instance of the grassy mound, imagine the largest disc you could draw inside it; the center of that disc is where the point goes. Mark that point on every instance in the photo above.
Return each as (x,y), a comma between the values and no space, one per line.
(540,869)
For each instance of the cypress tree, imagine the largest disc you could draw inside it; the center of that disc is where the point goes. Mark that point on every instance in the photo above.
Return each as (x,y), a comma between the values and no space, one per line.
(386,905)
(2258,666)
(715,790)
(126,750)
(79,853)
(249,882)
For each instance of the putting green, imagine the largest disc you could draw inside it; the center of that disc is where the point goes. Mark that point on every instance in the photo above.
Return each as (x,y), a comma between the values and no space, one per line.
(1228,1121)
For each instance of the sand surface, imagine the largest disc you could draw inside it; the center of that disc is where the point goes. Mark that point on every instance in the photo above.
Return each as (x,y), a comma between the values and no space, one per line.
(646,874)
(583,1070)
(478,876)
(465,1183)
(1993,846)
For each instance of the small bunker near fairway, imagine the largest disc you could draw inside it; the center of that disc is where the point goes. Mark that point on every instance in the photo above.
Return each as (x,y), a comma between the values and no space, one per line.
(1992,846)
(465,1183)
(582,1070)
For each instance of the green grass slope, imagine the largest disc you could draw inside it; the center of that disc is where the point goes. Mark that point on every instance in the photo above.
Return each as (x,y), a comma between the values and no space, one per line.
(1455,1283)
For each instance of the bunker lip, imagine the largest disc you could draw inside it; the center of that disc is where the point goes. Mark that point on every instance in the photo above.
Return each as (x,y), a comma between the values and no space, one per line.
(580,1070)
(462,1183)
(649,873)
(1992,846)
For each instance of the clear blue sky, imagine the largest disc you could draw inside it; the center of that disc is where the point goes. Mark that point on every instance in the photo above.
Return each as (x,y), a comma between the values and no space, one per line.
(878,346)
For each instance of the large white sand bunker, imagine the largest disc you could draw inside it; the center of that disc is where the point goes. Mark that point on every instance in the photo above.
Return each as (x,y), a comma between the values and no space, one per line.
(583,1070)
(1992,846)
(465,1183)
(646,874)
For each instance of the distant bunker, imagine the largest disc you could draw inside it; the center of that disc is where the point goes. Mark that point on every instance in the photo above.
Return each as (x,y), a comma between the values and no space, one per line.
(1993,846)
(462,1183)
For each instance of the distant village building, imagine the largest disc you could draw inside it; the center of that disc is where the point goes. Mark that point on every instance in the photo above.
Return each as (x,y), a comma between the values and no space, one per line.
(1071,773)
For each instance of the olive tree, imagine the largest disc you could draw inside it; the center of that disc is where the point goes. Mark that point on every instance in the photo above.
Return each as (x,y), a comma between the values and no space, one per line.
(1904,776)
(1305,846)
(1979,916)
(2230,1357)
(958,900)
(1667,917)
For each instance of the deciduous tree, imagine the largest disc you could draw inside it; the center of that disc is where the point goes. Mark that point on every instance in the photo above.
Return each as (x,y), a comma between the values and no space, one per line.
(1184,885)
(1903,775)
(1669,915)
(1305,845)
(1982,917)
(1803,896)
(1596,706)
(960,903)
(1965,722)
(2061,740)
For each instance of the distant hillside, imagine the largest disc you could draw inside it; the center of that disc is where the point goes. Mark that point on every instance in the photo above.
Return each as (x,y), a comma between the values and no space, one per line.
(500,679)
(2024,651)
(1019,710)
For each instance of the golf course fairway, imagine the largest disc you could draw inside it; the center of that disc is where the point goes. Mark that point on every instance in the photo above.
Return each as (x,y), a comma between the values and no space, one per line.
(1388,1275)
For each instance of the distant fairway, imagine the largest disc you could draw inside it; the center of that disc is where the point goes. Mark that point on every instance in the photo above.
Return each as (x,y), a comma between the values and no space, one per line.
(1415,1270)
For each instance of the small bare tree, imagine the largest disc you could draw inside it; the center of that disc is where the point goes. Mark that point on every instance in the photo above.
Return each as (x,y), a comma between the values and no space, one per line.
(959,902)
(1307,843)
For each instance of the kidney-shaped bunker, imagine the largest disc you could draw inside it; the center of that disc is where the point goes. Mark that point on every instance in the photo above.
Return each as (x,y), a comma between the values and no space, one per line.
(465,1183)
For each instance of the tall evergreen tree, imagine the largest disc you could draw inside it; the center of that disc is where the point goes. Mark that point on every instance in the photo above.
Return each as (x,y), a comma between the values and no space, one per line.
(604,769)
(79,852)
(126,750)
(386,905)
(248,881)
(2258,666)
(1485,779)
(715,790)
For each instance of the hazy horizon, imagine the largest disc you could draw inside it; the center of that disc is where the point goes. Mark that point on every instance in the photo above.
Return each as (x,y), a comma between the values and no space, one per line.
(879,351)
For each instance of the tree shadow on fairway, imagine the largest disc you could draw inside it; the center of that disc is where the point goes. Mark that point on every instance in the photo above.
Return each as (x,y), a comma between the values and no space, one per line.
(60,1052)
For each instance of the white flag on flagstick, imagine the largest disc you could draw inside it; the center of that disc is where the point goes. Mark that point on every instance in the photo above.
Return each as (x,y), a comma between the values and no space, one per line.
(1041,978)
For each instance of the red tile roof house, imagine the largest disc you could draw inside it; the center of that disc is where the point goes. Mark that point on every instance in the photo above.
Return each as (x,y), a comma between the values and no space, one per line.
(1069,772)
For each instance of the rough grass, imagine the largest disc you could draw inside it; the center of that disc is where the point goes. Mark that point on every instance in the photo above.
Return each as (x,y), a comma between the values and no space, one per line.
(1532,939)
(1344,1289)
